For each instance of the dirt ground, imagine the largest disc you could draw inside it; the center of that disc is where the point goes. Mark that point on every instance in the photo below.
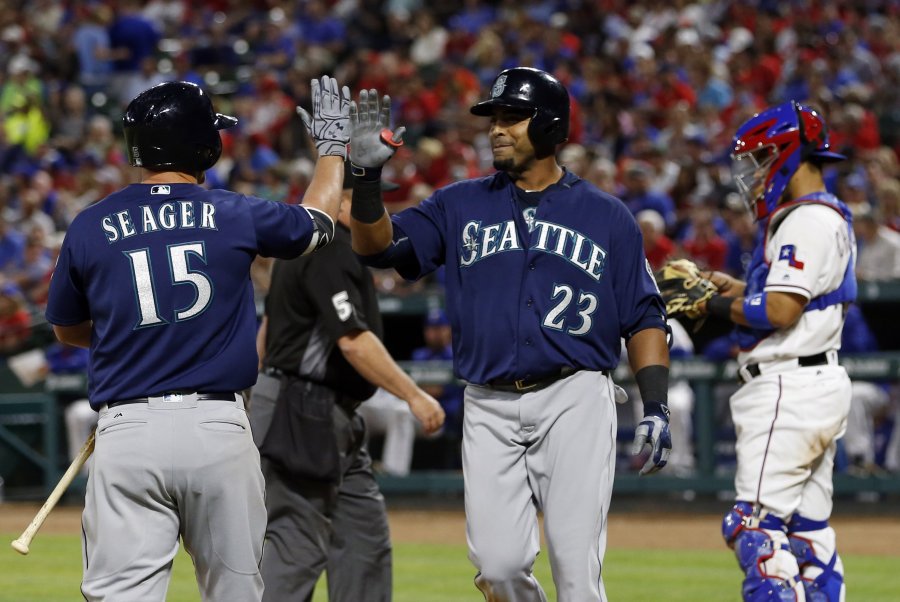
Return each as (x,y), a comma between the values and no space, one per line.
(856,535)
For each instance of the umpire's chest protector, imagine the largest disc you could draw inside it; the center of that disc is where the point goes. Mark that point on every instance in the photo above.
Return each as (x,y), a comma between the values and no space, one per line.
(531,287)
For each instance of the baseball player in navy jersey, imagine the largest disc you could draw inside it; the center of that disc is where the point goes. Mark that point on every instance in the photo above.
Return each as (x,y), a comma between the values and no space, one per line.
(795,398)
(154,279)
(544,274)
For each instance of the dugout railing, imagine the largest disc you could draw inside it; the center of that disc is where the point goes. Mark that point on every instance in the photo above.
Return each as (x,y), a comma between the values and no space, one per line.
(710,476)
(30,433)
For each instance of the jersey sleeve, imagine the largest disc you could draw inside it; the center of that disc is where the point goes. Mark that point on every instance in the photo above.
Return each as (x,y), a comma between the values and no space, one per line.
(638,300)
(283,231)
(424,226)
(67,303)
(333,291)
(802,249)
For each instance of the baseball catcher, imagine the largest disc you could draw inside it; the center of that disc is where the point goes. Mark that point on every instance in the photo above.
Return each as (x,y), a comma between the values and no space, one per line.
(684,288)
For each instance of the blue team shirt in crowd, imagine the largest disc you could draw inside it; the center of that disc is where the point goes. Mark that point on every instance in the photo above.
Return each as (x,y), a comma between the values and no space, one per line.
(532,290)
(163,271)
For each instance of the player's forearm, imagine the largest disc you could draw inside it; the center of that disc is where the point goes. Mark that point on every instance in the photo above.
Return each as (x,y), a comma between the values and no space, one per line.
(371,239)
(767,311)
(261,341)
(324,190)
(368,356)
(78,335)
(647,348)
(648,356)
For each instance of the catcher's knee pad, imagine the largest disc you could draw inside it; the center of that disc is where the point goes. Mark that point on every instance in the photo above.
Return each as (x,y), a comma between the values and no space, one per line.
(813,545)
(761,547)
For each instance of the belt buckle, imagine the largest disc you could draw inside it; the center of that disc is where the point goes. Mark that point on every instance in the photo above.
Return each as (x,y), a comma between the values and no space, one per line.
(521,386)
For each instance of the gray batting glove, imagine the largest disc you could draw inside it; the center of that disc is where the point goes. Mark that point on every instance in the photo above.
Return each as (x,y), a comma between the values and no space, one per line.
(329,123)
(372,142)
(653,432)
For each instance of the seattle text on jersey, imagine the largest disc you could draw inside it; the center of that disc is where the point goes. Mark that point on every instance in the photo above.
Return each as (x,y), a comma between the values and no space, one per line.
(481,242)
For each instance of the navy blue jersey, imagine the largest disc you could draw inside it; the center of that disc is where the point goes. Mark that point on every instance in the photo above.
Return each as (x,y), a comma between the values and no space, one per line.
(163,273)
(533,289)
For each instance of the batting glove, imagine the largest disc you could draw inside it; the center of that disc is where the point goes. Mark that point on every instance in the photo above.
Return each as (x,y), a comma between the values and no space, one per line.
(653,432)
(329,122)
(372,142)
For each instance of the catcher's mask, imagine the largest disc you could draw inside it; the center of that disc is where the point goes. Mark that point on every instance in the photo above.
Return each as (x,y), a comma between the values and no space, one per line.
(538,93)
(172,126)
(768,149)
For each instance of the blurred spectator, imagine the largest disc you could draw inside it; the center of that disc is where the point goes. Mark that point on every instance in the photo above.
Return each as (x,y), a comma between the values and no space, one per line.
(878,255)
(637,194)
(741,237)
(12,246)
(132,38)
(22,106)
(887,196)
(658,247)
(92,47)
(34,268)
(704,245)
(15,321)
(438,346)
(145,77)
(870,400)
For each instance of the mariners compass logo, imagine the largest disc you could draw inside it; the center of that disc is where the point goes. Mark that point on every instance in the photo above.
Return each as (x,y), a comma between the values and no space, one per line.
(499,86)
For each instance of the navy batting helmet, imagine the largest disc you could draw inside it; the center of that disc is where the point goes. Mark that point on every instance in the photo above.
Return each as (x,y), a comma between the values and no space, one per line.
(172,126)
(536,91)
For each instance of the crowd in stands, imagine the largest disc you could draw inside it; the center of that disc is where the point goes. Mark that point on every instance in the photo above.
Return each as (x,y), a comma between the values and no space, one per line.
(657,91)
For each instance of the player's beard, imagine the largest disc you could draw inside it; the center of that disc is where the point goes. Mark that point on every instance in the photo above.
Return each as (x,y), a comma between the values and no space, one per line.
(510,166)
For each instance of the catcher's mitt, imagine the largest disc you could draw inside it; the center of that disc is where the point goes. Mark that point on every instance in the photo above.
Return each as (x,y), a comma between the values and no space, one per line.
(683,288)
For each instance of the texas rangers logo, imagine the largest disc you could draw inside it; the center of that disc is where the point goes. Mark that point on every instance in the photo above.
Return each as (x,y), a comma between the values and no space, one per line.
(788,253)
(499,86)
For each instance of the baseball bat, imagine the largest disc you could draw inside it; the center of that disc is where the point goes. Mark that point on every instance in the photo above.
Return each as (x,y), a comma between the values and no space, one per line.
(22,544)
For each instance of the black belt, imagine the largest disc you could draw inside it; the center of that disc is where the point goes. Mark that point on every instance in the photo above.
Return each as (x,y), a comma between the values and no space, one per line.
(207,395)
(534,384)
(818,359)
(278,372)
(348,403)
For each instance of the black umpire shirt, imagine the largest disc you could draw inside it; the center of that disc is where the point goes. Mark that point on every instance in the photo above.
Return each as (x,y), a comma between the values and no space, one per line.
(313,301)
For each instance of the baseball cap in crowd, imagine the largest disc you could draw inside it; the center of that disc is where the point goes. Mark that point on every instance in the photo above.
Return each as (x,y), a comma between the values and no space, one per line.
(386,185)
(437,317)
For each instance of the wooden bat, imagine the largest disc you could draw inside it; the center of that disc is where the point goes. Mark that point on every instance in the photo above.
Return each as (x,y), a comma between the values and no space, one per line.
(22,544)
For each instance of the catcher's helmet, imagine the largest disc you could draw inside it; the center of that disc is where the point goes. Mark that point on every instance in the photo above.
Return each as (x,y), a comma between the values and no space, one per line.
(770,146)
(172,126)
(536,91)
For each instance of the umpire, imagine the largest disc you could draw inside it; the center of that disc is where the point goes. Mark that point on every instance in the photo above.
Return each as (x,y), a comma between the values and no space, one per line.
(323,356)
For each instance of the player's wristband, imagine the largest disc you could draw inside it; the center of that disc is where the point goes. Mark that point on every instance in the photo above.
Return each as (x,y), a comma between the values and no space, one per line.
(367,206)
(755,312)
(720,307)
(367,174)
(653,383)
(655,407)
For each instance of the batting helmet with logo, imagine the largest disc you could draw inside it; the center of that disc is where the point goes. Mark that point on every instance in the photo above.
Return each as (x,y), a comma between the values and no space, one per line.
(535,91)
(172,126)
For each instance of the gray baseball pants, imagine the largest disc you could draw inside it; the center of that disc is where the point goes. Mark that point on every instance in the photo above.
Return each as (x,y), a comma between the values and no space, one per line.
(166,469)
(551,450)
